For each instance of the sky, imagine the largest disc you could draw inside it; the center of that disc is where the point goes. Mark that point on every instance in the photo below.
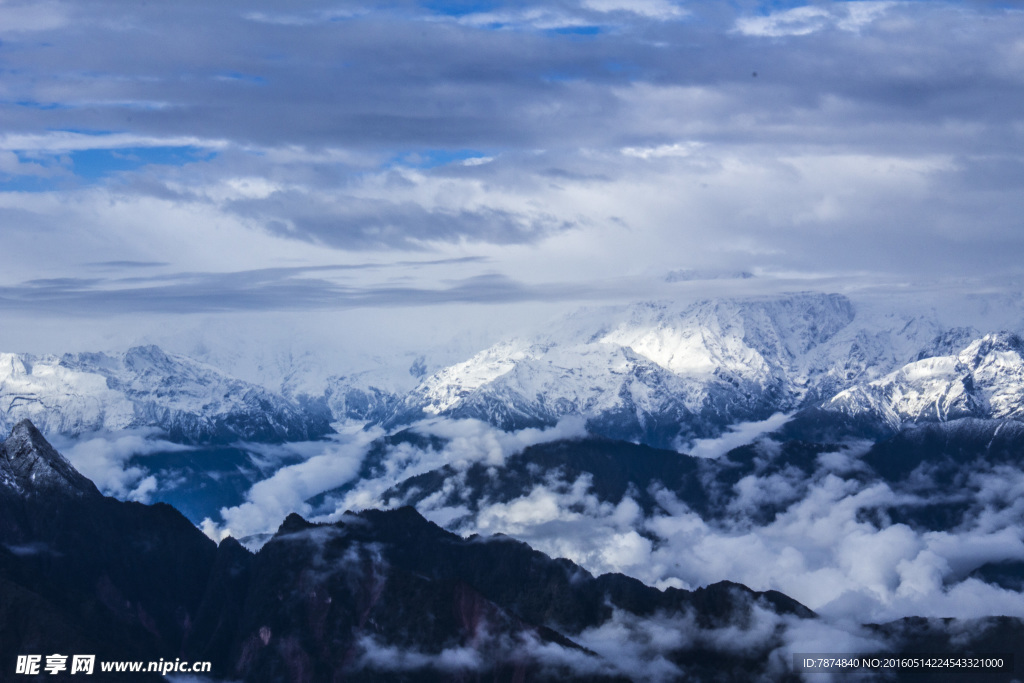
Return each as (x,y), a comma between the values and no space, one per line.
(171,170)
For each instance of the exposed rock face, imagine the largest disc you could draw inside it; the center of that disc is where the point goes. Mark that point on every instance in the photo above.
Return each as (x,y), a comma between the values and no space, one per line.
(30,465)
(87,574)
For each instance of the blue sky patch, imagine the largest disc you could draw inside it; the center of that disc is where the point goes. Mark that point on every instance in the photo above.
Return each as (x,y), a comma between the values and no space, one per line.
(29,183)
(460,8)
(93,164)
(772,6)
(44,106)
(433,158)
(576,30)
(67,169)
(560,77)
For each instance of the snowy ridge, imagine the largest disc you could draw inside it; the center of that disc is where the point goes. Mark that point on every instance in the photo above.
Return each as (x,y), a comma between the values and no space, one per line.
(983,380)
(659,372)
(145,387)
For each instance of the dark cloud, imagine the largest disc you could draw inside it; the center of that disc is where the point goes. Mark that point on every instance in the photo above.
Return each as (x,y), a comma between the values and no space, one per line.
(410,77)
(128,264)
(353,223)
(271,289)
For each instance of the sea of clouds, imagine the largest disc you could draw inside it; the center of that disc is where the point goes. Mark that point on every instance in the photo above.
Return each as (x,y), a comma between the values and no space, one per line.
(826,547)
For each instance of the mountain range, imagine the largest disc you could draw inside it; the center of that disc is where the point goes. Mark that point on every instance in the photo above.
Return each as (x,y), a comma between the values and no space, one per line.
(191,402)
(377,595)
(868,461)
(663,374)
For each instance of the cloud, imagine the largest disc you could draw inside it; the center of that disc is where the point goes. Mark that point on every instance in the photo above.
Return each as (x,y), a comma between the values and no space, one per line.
(318,16)
(271,500)
(831,546)
(57,142)
(30,17)
(801,21)
(103,458)
(794,22)
(12,164)
(655,9)
(737,435)
(356,223)
(674,150)
(465,442)
(264,290)
(28,549)
(645,647)
(380,657)
(473,440)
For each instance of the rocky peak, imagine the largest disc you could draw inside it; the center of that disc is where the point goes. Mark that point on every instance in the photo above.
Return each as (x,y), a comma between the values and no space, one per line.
(293,524)
(30,465)
(1005,344)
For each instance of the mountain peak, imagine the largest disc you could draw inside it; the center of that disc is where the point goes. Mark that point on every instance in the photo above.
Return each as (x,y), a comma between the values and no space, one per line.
(294,523)
(998,343)
(29,464)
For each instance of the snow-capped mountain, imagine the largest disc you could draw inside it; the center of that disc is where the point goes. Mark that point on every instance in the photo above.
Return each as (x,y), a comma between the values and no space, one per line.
(985,379)
(146,387)
(658,372)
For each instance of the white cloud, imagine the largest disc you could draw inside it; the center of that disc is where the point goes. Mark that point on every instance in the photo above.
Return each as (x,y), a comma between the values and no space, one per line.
(308,19)
(737,435)
(103,458)
(641,647)
(861,14)
(473,440)
(376,656)
(66,141)
(532,18)
(822,549)
(328,466)
(798,21)
(821,636)
(655,9)
(467,442)
(11,164)
(678,149)
(269,501)
(570,120)
(801,21)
